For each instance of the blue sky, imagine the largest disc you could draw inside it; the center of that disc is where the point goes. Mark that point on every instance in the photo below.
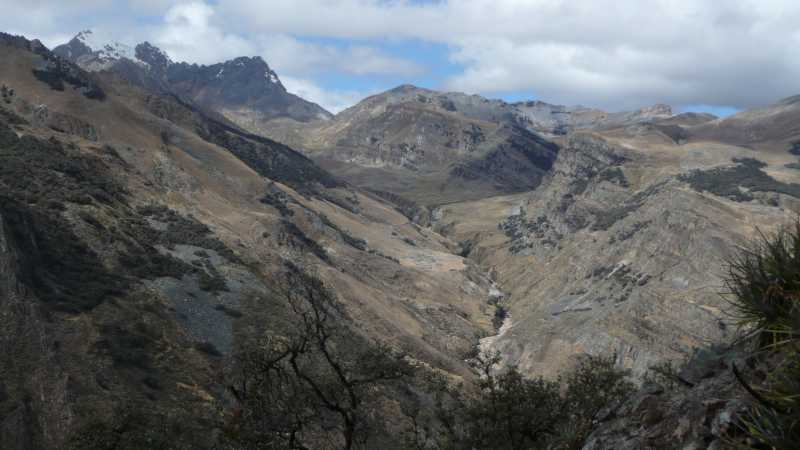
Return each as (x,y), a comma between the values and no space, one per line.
(696,55)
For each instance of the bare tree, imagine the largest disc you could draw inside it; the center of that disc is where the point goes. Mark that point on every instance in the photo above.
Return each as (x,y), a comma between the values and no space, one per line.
(302,387)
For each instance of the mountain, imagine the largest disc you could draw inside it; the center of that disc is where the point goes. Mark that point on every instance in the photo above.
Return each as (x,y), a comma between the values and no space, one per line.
(412,143)
(625,215)
(774,126)
(627,237)
(244,90)
(434,147)
(142,245)
(164,264)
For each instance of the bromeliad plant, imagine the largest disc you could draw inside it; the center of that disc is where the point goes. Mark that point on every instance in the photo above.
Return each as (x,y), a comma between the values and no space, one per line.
(764,281)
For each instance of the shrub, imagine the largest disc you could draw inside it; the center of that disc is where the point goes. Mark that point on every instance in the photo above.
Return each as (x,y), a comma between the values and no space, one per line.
(211,280)
(500,314)
(594,387)
(295,237)
(504,410)
(764,281)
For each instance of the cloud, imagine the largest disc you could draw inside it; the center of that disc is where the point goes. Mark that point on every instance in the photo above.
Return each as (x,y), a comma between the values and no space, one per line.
(288,54)
(188,35)
(331,99)
(615,54)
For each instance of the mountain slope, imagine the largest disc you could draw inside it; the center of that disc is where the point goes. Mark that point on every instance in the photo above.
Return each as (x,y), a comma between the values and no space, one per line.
(141,240)
(774,127)
(622,247)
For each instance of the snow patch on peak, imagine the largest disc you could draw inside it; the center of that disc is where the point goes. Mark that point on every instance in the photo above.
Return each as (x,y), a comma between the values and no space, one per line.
(106,47)
(270,75)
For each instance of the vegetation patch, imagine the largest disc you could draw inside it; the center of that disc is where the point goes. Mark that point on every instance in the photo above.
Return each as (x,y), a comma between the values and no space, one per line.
(348,203)
(295,237)
(129,346)
(519,229)
(605,219)
(500,314)
(37,178)
(39,182)
(628,232)
(794,148)
(235,313)
(267,157)
(208,348)
(677,133)
(357,243)
(613,175)
(278,200)
(737,182)
(794,165)
(406,207)
(183,230)
(211,280)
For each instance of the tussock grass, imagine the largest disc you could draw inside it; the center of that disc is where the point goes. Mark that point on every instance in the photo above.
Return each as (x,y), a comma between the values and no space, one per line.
(764,280)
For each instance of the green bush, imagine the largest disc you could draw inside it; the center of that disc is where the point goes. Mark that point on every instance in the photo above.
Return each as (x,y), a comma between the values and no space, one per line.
(764,280)
(504,410)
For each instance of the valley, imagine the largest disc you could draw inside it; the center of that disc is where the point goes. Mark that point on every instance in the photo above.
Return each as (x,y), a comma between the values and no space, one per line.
(151,212)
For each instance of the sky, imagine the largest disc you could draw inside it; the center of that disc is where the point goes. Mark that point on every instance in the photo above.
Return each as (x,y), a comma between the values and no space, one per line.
(718,56)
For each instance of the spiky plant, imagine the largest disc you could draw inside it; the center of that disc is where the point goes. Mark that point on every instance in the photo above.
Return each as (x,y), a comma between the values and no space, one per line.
(764,280)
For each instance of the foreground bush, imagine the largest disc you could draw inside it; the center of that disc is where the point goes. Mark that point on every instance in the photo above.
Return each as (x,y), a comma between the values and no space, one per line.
(764,281)
(504,410)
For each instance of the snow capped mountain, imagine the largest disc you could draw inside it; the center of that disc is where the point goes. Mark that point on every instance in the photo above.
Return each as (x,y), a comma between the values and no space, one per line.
(96,51)
(105,47)
(244,89)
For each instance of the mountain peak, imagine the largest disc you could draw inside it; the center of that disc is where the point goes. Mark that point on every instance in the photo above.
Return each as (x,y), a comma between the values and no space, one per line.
(152,55)
(246,60)
(96,51)
(105,45)
(245,85)
(406,88)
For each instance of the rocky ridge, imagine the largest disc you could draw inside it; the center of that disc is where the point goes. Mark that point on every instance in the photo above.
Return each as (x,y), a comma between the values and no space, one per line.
(244,90)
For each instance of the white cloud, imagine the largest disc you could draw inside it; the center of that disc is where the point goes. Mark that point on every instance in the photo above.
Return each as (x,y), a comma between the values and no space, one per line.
(613,54)
(189,35)
(616,54)
(290,55)
(331,99)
